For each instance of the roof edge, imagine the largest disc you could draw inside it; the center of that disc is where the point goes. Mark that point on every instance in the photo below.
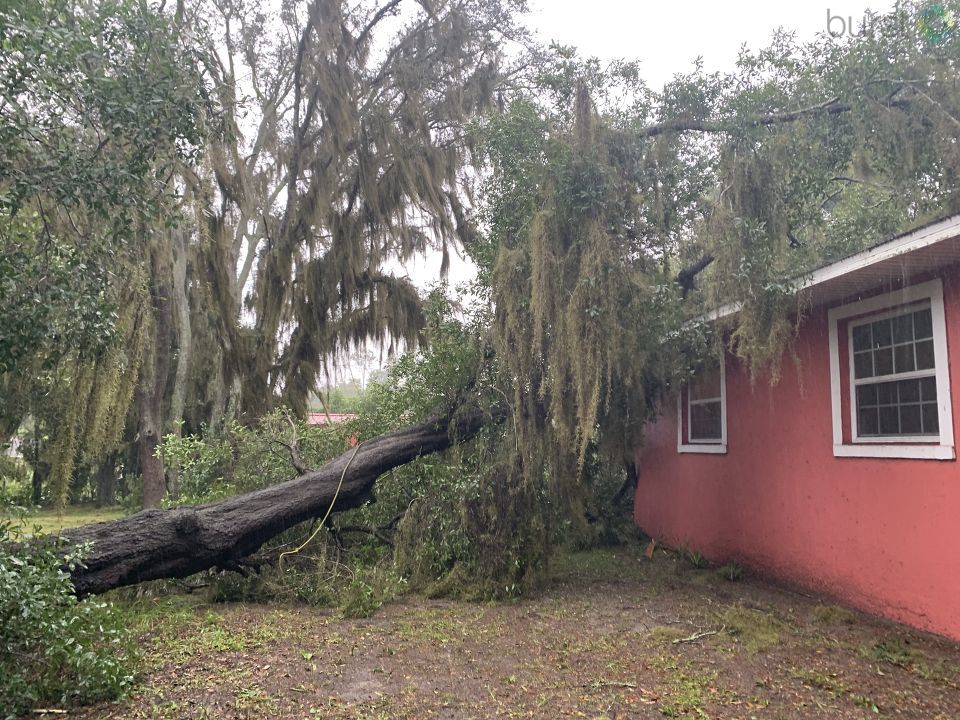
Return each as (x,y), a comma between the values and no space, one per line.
(907,242)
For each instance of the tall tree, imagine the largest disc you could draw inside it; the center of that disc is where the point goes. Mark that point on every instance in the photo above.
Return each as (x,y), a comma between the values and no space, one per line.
(342,151)
(98,107)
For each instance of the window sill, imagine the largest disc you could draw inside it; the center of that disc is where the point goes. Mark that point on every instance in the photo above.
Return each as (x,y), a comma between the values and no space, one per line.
(911,452)
(704,449)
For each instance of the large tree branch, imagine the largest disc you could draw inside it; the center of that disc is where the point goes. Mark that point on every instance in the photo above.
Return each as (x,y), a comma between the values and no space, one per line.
(830,107)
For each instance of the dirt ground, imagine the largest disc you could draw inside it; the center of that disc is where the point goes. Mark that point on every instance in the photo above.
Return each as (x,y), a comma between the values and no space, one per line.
(615,635)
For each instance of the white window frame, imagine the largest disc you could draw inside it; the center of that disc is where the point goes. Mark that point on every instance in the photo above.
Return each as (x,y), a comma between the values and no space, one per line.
(889,304)
(708,447)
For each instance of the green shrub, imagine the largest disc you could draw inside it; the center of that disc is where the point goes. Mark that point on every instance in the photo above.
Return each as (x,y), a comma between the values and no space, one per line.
(732,571)
(369,587)
(246,458)
(54,648)
(15,486)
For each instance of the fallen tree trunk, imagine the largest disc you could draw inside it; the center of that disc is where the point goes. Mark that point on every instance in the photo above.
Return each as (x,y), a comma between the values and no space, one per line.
(156,544)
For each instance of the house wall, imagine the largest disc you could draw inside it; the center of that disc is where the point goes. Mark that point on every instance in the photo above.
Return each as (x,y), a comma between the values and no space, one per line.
(879,534)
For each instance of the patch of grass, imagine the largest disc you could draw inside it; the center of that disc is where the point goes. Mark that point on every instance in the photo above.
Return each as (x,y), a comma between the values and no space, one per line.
(688,690)
(755,629)
(51,521)
(829,683)
(833,685)
(896,652)
(251,697)
(833,615)
(899,652)
(666,634)
(601,564)
(192,636)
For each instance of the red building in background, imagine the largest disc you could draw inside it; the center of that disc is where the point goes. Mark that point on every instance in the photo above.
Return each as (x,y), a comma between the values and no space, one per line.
(320,418)
(843,476)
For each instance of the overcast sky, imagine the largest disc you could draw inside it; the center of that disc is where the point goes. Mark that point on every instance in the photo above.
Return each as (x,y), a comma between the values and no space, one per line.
(668,35)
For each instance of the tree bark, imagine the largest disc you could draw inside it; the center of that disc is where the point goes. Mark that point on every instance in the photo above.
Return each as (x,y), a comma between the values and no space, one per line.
(176,543)
(107,482)
(151,389)
(178,393)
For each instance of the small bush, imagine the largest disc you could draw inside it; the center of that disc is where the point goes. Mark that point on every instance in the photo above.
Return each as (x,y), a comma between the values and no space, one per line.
(368,589)
(54,648)
(732,571)
(694,558)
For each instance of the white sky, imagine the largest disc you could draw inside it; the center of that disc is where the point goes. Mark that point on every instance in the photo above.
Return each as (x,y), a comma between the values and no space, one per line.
(668,35)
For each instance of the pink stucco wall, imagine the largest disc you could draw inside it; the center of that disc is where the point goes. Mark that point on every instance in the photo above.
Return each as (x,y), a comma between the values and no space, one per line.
(879,534)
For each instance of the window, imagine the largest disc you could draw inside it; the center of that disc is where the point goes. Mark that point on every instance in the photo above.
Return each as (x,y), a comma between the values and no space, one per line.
(701,412)
(705,406)
(894,376)
(899,395)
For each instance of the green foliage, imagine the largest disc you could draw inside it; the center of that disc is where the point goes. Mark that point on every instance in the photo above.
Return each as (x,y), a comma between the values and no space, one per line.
(694,558)
(15,488)
(53,648)
(100,104)
(435,499)
(97,107)
(245,458)
(731,571)
(355,579)
(368,589)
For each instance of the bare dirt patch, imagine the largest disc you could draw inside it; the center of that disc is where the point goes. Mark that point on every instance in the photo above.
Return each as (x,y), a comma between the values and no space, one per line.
(614,636)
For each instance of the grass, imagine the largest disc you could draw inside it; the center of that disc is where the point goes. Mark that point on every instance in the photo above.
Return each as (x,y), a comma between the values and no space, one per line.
(833,615)
(756,629)
(52,521)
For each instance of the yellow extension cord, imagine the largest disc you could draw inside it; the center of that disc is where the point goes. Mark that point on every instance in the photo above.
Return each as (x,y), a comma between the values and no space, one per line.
(327,515)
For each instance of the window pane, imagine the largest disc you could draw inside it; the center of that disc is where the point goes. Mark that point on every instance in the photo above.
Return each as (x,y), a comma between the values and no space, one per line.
(886,393)
(931,418)
(903,358)
(903,328)
(923,323)
(889,421)
(881,334)
(705,384)
(909,391)
(867,395)
(861,337)
(928,389)
(863,364)
(910,420)
(705,421)
(867,422)
(883,362)
(925,355)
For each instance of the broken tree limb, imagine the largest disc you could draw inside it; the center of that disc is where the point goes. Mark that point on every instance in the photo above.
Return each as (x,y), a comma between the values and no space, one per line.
(155,544)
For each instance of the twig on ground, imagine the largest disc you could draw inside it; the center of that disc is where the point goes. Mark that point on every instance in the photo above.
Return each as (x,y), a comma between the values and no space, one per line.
(697,636)
(612,683)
